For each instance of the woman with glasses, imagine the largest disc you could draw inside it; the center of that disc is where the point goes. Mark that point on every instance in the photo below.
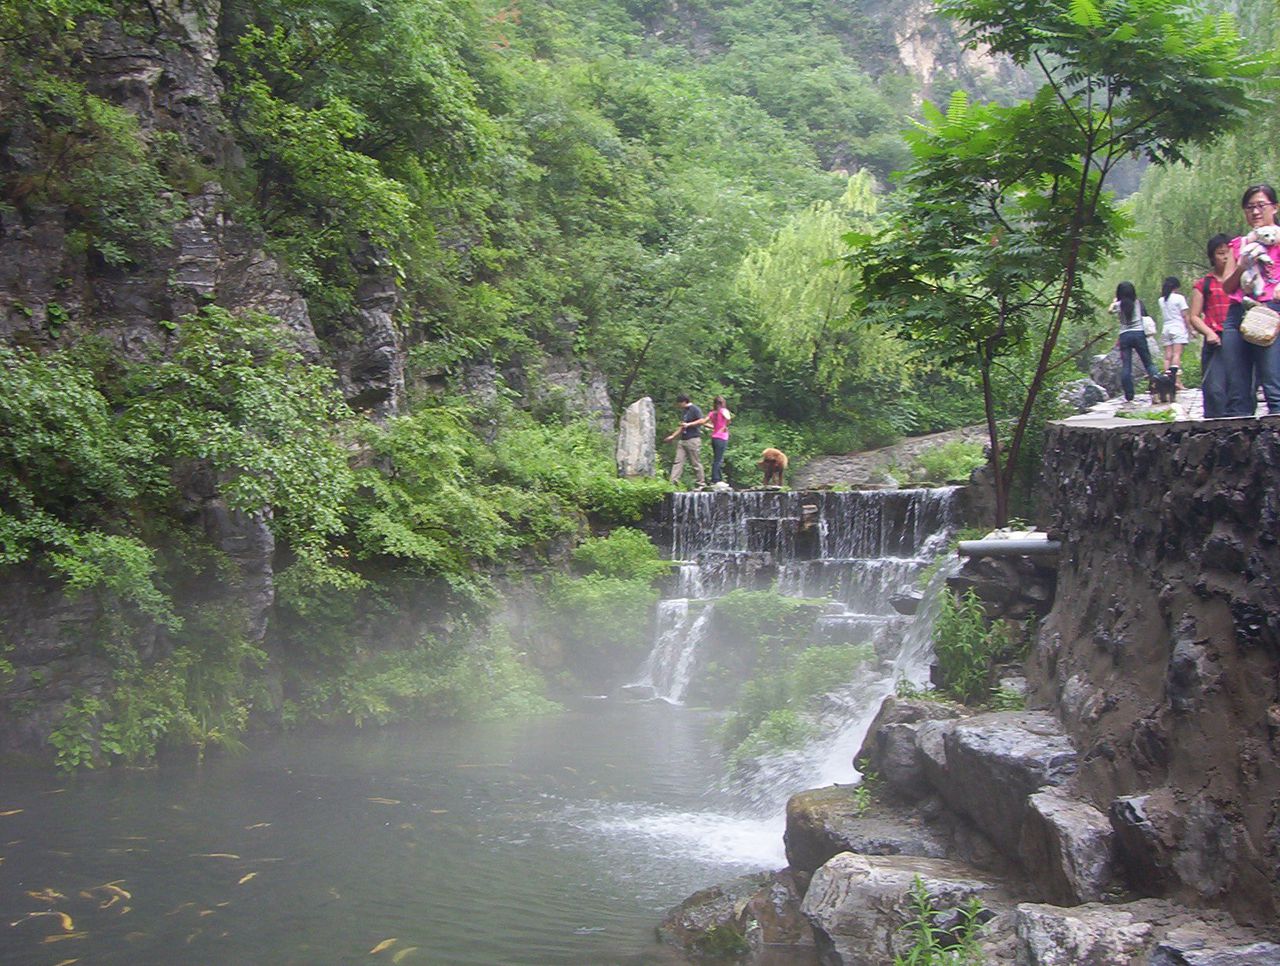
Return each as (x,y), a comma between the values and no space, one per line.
(1247,364)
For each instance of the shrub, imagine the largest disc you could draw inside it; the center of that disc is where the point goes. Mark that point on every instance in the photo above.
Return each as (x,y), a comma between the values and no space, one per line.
(600,616)
(765,620)
(951,461)
(934,945)
(779,730)
(967,648)
(624,553)
(612,500)
(767,715)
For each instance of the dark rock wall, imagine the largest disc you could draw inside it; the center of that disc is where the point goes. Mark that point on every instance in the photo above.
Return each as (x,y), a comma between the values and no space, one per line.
(1162,651)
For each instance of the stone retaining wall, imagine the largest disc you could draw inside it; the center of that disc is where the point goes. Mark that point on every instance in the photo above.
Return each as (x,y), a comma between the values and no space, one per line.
(1162,650)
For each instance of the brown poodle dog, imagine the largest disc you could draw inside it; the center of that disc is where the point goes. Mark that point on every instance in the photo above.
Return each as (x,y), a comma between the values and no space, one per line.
(773,462)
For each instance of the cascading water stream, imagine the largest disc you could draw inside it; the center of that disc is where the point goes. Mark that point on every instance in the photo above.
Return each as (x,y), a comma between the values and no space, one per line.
(856,550)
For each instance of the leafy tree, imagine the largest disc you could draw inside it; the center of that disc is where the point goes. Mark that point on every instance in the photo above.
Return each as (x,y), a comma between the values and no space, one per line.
(799,290)
(1178,208)
(1004,211)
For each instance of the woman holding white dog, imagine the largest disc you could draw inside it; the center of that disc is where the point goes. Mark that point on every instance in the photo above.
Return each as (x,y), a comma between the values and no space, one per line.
(1254,274)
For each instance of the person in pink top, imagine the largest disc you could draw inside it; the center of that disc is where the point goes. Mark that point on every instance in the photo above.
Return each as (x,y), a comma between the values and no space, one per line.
(1247,364)
(718,419)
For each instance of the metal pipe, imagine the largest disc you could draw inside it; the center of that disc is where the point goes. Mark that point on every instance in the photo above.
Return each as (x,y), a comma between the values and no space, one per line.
(1008,548)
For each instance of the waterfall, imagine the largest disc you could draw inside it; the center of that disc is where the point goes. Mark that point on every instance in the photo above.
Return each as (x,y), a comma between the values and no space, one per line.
(668,668)
(856,550)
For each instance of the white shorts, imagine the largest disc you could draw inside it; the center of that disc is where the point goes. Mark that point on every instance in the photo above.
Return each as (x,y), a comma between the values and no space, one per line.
(1174,335)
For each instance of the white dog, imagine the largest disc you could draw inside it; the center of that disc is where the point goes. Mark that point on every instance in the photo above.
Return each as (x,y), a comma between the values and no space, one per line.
(1257,262)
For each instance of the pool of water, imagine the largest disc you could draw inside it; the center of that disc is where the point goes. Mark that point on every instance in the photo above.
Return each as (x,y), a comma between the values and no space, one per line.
(553,840)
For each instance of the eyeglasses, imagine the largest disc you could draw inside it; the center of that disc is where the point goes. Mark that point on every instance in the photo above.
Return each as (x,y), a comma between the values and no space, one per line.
(1260,206)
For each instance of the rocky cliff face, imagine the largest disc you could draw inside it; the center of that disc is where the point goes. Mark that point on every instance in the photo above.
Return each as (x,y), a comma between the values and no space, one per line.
(1162,652)
(54,292)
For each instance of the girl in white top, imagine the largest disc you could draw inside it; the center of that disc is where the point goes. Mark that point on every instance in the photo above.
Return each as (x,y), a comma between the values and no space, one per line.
(1173,330)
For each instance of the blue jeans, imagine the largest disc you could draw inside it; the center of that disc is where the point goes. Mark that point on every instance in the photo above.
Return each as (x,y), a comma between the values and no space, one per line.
(1248,366)
(1213,381)
(718,446)
(1131,342)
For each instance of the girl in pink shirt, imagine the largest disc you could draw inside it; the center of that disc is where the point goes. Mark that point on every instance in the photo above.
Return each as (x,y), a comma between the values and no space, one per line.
(718,419)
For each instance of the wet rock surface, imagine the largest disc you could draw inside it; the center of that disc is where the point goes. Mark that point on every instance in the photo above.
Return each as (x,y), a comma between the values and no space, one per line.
(1164,679)
(859,904)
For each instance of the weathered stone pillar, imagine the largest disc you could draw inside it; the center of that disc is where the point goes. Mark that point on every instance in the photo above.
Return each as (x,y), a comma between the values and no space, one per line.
(637,453)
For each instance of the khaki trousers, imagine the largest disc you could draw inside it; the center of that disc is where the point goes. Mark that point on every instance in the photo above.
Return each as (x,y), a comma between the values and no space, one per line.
(691,450)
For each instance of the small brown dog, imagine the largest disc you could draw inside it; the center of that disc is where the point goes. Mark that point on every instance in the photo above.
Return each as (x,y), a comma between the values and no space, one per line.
(773,462)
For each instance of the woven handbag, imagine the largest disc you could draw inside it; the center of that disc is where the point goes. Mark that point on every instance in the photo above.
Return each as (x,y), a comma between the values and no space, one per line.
(1260,325)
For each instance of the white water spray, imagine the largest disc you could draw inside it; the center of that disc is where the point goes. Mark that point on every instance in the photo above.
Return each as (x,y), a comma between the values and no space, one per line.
(856,550)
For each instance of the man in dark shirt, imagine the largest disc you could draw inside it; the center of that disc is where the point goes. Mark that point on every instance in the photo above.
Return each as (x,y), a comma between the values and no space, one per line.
(690,445)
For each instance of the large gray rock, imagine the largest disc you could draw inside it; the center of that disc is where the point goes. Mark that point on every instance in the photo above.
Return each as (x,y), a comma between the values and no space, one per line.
(762,909)
(823,822)
(1084,936)
(995,761)
(637,450)
(1202,945)
(1081,395)
(1067,848)
(889,749)
(859,905)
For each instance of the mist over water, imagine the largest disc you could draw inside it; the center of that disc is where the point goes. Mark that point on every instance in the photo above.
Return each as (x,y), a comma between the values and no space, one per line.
(557,840)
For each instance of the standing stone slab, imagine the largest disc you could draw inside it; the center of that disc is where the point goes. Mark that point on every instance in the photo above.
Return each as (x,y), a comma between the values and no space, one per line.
(637,452)
(859,904)
(1067,848)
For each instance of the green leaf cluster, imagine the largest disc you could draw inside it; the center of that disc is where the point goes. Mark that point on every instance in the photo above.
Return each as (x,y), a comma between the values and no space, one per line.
(1004,211)
(770,714)
(625,552)
(968,647)
(935,944)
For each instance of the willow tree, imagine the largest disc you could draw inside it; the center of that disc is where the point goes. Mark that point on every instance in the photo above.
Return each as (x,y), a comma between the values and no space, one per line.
(797,289)
(1005,211)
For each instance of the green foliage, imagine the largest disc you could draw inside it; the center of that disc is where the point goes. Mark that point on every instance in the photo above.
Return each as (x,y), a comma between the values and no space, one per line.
(968,648)
(91,159)
(615,501)
(934,945)
(764,620)
(1155,415)
(477,678)
(602,617)
(199,695)
(625,553)
(865,792)
(73,737)
(797,290)
(723,941)
(779,730)
(769,714)
(905,689)
(950,461)
(1004,211)
(1006,699)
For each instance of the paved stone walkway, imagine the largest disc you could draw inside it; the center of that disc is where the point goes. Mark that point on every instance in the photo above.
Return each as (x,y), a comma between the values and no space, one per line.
(1189,406)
